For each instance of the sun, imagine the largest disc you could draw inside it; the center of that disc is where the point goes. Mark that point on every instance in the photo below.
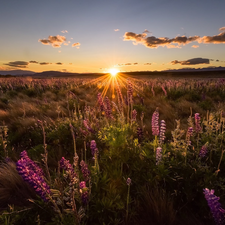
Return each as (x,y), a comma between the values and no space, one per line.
(113,71)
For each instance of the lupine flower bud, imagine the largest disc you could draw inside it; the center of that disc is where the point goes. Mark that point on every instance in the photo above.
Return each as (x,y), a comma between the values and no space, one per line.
(162,131)
(197,123)
(84,192)
(158,155)
(128,181)
(155,123)
(93,148)
(204,150)
(85,122)
(100,102)
(134,115)
(85,171)
(108,109)
(215,207)
(190,131)
(139,134)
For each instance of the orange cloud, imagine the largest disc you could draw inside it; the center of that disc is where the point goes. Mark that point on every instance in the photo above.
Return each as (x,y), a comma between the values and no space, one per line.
(77,45)
(59,63)
(216,39)
(33,62)
(116,29)
(55,41)
(195,46)
(64,31)
(153,42)
(193,61)
(147,64)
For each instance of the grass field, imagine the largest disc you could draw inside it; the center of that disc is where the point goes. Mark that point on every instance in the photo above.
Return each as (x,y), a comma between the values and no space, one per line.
(124,150)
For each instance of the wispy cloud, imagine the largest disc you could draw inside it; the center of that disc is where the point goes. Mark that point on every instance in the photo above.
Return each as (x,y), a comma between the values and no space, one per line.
(195,46)
(59,63)
(147,64)
(222,28)
(19,64)
(154,42)
(77,45)
(193,61)
(116,29)
(33,62)
(55,41)
(64,31)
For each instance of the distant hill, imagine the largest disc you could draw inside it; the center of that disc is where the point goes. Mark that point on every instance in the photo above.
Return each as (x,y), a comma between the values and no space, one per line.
(220,68)
(16,72)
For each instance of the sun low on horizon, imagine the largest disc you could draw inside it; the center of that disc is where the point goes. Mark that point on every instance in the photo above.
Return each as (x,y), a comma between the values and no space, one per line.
(113,72)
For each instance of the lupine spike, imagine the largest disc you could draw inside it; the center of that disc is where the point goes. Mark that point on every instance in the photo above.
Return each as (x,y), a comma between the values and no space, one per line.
(155,123)
(162,131)
(215,207)
(158,155)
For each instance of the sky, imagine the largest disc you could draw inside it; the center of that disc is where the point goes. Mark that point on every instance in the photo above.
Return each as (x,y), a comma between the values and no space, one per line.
(83,36)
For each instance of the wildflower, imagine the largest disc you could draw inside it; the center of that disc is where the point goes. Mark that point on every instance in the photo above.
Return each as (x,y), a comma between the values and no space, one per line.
(108,108)
(100,102)
(130,91)
(85,171)
(134,115)
(215,206)
(85,122)
(32,174)
(197,123)
(128,181)
(203,150)
(162,131)
(155,123)
(158,155)
(84,192)
(139,134)
(93,147)
(190,131)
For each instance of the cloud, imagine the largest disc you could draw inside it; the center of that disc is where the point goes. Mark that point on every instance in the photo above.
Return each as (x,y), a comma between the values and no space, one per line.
(44,63)
(70,63)
(146,31)
(135,63)
(77,45)
(55,41)
(33,62)
(193,61)
(20,64)
(195,46)
(216,39)
(147,64)
(59,63)
(128,64)
(64,31)
(65,43)
(154,42)
(116,29)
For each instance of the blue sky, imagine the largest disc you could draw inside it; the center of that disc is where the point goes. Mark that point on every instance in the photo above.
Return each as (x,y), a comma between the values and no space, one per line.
(127,34)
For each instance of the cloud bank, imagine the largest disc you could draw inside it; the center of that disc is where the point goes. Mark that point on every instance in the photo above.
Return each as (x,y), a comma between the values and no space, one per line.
(19,64)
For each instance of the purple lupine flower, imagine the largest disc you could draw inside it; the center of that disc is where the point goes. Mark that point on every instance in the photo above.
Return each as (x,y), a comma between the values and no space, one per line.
(162,131)
(128,181)
(32,164)
(158,155)
(108,110)
(130,91)
(85,171)
(93,147)
(204,150)
(84,192)
(86,124)
(33,175)
(197,123)
(134,115)
(190,131)
(215,207)
(100,102)
(139,134)
(65,164)
(155,123)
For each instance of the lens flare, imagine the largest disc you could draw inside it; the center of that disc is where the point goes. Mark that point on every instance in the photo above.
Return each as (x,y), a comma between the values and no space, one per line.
(113,72)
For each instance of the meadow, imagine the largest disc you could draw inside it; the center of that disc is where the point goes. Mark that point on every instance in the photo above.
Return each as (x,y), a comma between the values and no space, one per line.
(143,151)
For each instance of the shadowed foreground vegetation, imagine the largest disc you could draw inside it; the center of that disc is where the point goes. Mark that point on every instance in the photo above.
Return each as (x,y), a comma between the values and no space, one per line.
(141,154)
